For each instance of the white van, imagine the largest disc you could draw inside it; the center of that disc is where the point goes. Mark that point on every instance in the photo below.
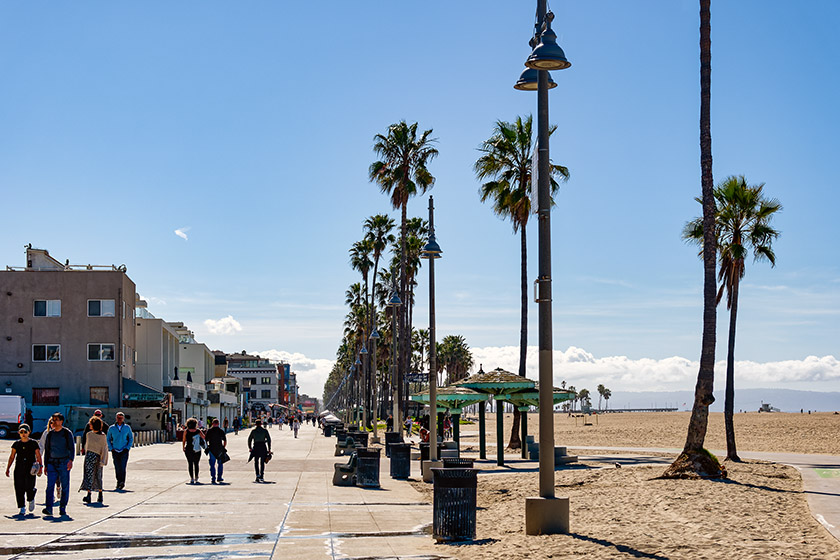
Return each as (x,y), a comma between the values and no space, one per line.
(12,410)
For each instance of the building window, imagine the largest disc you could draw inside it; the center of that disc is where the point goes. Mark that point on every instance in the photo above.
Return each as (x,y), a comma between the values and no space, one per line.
(251,380)
(266,394)
(266,381)
(100,352)
(99,396)
(252,394)
(47,308)
(45,396)
(100,308)
(46,352)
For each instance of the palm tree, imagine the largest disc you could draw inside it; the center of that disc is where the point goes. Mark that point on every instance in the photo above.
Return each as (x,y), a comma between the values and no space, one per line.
(402,173)
(506,161)
(601,390)
(360,260)
(742,225)
(607,395)
(694,459)
(454,354)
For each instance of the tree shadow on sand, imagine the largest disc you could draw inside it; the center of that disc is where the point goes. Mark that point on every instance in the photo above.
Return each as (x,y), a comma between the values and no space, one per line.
(619,547)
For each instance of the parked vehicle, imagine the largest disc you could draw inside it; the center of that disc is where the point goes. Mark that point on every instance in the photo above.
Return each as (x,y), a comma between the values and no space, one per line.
(12,410)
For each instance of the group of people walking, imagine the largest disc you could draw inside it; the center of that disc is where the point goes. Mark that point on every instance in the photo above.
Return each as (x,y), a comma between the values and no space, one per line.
(54,454)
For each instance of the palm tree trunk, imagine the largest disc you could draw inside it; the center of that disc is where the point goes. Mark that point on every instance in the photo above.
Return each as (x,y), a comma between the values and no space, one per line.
(692,457)
(515,440)
(729,399)
(401,319)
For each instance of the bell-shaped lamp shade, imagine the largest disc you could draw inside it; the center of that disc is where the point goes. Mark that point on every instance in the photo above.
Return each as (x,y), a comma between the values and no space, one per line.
(358,362)
(432,250)
(529,80)
(374,335)
(363,351)
(548,55)
(395,300)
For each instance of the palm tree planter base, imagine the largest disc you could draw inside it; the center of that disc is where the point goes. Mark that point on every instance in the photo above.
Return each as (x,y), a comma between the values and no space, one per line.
(695,465)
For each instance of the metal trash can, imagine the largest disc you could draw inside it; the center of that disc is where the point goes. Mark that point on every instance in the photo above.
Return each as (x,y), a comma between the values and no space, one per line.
(367,467)
(424,450)
(352,428)
(340,433)
(400,460)
(454,504)
(361,438)
(391,437)
(328,429)
(457,463)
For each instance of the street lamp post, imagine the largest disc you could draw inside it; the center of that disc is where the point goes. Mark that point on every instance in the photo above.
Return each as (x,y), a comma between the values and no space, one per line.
(374,338)
(394,304)
(432,252)
(363,385)
(545,514)
(356,389)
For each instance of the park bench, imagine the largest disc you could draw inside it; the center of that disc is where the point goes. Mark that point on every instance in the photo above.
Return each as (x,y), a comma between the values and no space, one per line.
(345,447)
(345,473)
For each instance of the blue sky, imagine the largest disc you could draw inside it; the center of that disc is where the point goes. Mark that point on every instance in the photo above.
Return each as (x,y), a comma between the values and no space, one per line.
(251,124)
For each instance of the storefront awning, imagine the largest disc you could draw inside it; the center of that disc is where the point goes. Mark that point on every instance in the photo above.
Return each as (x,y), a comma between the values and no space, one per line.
(134,391)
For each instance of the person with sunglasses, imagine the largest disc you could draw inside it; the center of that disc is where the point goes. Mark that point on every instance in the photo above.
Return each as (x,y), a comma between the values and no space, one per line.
(26,455)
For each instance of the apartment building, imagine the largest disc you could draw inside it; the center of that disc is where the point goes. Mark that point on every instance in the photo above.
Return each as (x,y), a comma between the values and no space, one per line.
(259,379)
(67,332)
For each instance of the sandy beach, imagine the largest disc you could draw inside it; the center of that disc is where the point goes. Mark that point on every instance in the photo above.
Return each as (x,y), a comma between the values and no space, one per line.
(759,512)
(772,432)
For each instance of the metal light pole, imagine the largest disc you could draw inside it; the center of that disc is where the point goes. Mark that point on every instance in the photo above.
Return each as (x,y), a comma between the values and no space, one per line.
(363,385)
(374,338)
(432,252)
(546,514)
(356,391)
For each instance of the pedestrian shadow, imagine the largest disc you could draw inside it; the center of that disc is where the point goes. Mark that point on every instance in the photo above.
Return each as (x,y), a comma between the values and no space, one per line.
(19,517)
(635,553)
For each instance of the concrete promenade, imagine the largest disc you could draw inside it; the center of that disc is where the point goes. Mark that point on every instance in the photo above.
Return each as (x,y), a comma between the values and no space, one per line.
(296,514)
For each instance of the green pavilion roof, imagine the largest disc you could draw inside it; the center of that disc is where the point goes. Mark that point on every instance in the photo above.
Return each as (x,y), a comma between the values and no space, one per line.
(496,382)
(453,397)
(531,397)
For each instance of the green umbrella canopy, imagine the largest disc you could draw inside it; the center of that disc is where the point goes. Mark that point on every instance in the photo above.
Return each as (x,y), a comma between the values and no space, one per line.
(453,398)
(496,382)
(531,397)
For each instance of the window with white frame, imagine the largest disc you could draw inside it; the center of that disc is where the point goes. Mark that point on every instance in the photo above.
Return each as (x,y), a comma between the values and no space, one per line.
(46,352)
(47,308)
(101,308)
(100,352)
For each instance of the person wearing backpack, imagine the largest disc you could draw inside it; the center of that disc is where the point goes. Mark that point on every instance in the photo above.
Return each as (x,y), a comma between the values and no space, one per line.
(59,449)
(193,443)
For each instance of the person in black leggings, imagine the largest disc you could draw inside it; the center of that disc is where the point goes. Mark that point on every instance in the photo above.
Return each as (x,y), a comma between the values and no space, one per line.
(192,445)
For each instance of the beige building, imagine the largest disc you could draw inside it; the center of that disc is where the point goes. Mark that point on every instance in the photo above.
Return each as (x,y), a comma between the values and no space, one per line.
(67,332)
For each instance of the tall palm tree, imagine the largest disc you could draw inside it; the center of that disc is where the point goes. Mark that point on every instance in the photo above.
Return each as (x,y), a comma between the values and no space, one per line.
(743,226)
(506,161)
(360,260)
(378,236)
(402,172)
(693,459)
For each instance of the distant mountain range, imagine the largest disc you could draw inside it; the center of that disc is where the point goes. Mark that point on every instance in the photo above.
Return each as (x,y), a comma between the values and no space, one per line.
(787,400)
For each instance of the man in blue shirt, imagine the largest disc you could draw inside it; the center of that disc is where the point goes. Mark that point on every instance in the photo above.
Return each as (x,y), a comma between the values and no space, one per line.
(120,440)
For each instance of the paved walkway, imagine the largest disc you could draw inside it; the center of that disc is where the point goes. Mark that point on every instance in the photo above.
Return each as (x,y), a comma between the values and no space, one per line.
(296,514)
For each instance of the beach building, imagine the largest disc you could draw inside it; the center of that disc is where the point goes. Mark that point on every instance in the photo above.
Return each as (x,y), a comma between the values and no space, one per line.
(68,334)
(260,380)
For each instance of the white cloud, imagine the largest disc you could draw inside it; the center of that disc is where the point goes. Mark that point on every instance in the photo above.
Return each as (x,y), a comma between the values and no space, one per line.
(182,232)
(311,373)
(580,368)
(225,325)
